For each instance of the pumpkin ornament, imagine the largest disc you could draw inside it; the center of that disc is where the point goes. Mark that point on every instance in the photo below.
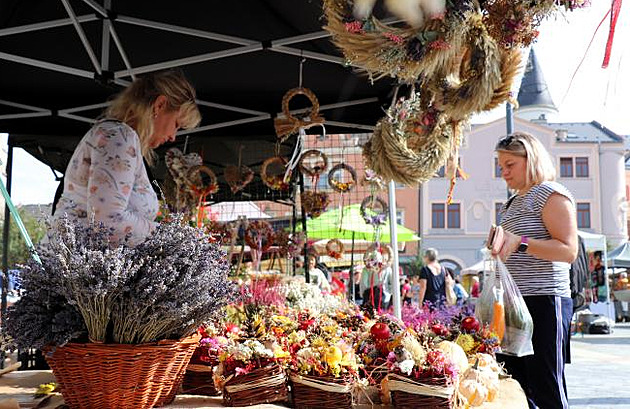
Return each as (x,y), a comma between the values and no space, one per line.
(472,388)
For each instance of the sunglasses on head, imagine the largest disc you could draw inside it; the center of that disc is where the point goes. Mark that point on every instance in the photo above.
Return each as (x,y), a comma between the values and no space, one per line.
(507,141)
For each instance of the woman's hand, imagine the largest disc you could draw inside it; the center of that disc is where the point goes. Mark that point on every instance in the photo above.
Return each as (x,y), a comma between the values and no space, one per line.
(510,245)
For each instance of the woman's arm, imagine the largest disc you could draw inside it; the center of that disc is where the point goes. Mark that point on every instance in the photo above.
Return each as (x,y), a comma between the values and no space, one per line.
(559,218)
(422,291)
(115,159)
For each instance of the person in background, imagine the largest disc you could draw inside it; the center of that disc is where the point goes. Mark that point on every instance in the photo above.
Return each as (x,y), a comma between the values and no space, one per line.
(539,243)
(475,289)
(460,292)
(299,265)
(376,289)
(107,180)
(406,292)
(316,275)
(415,289)
(432,281)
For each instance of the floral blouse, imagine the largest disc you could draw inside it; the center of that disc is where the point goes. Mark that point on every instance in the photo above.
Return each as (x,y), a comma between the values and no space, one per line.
(106,179)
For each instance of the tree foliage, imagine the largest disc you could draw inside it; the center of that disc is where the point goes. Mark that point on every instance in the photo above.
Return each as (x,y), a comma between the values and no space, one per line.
(18,251)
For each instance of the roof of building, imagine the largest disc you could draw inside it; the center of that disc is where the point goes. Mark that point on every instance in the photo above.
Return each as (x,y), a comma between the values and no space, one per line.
(534,90)
(586,132)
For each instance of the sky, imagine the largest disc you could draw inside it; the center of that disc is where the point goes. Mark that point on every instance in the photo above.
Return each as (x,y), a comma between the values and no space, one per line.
(595,94)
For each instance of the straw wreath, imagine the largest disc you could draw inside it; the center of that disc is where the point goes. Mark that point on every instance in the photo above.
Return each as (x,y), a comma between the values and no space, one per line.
(382,50)
(410,150)
(290,124)
(479,73)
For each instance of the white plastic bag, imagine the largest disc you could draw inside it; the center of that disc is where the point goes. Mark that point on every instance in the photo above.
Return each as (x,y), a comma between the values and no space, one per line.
(501,296)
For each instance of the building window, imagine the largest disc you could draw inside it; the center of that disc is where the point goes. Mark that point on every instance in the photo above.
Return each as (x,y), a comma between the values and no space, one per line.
(400,216)
(581,167)
(498,206)
(437,216)
(497,168)
(584,215)
(454,219)
(566,167)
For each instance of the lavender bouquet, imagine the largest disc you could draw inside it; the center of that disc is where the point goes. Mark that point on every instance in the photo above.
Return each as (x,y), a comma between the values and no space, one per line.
(90,289)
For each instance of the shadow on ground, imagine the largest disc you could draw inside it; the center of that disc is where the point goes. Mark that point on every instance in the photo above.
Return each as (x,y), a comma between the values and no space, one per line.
(604,401)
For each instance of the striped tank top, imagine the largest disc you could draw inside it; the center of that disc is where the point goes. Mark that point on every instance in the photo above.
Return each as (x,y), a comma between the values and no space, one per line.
(523,216)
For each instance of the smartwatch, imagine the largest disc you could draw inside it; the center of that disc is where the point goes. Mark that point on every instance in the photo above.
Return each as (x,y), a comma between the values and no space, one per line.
(522,248)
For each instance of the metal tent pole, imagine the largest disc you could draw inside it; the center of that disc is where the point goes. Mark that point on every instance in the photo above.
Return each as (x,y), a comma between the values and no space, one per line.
(394,243)
(5,235)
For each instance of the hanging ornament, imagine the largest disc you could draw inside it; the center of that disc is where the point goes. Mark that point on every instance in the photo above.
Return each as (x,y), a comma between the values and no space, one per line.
(289,124)
(272,173)
(337,184)
(374,211)
(335,248)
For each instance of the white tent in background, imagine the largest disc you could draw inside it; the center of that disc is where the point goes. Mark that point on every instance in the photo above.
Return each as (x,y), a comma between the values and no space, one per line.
(229,211)
(597,242)
(474,269)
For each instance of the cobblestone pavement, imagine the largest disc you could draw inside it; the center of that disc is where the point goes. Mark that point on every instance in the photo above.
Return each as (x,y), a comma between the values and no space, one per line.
(599,375)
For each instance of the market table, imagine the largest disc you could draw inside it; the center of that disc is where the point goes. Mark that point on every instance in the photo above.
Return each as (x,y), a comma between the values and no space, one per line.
(17,390)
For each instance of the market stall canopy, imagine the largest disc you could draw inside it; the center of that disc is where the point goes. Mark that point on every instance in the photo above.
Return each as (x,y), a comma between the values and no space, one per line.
(348,223)
(229,211)
(592,241)
(620,257)
(475,268)
(62,61)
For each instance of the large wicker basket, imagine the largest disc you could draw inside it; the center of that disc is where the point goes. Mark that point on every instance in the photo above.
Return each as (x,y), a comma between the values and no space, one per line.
(314,392)
(408,393)
(120,376)
(262,385)
(198,379)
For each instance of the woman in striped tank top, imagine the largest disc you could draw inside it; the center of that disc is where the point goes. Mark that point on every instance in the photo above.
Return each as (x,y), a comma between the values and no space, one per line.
(540,242)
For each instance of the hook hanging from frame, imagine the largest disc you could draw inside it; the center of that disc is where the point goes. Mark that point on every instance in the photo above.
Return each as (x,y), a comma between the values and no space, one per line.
(302,61)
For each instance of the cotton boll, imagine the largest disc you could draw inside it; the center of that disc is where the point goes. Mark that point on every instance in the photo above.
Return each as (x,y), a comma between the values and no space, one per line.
(363,8)
(408,10)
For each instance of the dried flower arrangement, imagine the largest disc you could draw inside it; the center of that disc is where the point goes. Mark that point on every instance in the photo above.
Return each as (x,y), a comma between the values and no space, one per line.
(88,289)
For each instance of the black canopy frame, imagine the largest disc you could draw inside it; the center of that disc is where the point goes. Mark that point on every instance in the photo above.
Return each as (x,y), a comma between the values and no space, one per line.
(60,61)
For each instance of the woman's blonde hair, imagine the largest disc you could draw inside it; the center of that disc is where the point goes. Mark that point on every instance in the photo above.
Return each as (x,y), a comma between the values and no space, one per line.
(540,167)
(134,105)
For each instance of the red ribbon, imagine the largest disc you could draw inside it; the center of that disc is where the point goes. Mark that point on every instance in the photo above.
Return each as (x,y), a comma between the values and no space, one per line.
(615,8)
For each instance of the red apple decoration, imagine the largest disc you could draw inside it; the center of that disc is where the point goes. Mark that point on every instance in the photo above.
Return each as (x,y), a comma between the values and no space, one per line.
(470,324)
(380,331)
(439,329)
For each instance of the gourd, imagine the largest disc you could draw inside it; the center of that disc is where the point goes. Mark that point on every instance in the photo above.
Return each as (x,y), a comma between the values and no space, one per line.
(455,354)
(474,392)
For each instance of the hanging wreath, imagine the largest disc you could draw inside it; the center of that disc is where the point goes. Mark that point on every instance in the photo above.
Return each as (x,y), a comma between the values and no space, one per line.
(318,167)
(405,53)
(377,257)
(220,232)
(237,177)
(314,203)
(374,210)
(259,235)
(272,173)
(204,189)
(335,248)
(338,185)
(411,143)
(290,124)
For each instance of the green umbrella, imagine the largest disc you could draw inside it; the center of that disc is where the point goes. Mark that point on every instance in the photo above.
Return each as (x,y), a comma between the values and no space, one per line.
(331,225)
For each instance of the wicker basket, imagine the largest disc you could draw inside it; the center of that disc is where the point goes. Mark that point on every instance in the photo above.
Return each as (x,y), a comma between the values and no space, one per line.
(198,379)
(262,385)
(314,392)
(119,376)
(429,393)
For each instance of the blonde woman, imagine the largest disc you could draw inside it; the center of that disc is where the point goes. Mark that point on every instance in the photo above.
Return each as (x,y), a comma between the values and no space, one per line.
(540,242)
(106,178)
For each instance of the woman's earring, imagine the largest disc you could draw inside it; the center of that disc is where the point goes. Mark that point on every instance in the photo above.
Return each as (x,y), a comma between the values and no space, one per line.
(154,115)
